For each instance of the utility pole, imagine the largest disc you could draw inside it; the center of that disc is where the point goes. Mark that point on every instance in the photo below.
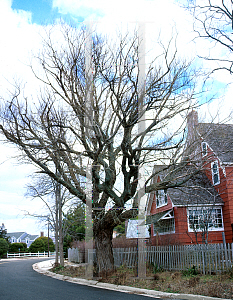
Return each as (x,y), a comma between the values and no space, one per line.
(48,234)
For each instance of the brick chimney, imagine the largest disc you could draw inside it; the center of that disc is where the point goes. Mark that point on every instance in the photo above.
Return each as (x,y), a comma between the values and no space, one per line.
(192,137)
(192,122)
(42,233)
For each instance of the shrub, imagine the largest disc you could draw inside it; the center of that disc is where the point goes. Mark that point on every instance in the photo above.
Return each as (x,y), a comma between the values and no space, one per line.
(155,268)
(190,272)
(41,245)
(16,246)
(229,272)
(3,247)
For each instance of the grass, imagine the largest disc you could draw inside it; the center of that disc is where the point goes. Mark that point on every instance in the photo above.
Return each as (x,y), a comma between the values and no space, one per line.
(189,282)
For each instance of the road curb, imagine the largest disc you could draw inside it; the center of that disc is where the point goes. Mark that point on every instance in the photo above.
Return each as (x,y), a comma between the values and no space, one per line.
(44,266)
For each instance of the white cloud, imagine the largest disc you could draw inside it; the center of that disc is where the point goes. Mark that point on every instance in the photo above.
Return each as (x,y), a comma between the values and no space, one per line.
(162,18)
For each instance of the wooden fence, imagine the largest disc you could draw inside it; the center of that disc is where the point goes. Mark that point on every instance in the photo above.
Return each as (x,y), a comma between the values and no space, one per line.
(212,258)
(30,254)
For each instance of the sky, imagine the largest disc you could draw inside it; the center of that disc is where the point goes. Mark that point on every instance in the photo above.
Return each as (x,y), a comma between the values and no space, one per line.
(22,24)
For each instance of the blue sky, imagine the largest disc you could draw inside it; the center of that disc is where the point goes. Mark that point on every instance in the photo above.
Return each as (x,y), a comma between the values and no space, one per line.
(24,22)
(42,10)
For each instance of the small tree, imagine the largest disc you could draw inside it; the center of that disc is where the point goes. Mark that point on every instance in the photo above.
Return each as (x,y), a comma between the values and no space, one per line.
(41,245)
(74,223)
(3,247)
(56,199)
(3,233)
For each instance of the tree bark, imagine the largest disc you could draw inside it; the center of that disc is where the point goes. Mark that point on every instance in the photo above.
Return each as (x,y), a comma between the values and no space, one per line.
(104,253)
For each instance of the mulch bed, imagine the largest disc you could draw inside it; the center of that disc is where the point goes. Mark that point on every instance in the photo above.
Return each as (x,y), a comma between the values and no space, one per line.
(220,286)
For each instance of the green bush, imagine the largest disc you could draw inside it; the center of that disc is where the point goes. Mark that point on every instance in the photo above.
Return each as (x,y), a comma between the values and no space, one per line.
(41,245)
(3,247)
(14,247)
(190,272)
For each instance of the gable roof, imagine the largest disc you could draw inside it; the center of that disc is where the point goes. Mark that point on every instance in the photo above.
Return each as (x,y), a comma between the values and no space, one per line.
(31,237)
(17,235)
(219,137)
(198,190)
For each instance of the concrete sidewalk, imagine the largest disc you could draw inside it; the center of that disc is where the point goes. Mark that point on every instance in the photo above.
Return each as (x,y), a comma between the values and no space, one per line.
(44,266)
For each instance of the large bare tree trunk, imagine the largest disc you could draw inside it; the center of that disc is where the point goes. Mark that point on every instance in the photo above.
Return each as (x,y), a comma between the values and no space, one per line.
(103,245)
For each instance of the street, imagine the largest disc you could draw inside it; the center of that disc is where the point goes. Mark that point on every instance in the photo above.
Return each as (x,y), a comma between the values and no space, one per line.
(18,281)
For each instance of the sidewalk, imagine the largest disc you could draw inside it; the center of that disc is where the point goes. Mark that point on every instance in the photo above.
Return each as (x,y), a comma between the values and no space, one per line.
(44,266)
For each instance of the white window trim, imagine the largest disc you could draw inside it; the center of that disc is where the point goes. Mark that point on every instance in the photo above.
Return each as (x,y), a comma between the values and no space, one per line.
(209,229)
(202,149)
(212,164)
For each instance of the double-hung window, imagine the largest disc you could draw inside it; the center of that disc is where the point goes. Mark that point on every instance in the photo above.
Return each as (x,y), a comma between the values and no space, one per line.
(161,198)
(215,172)
(205,218)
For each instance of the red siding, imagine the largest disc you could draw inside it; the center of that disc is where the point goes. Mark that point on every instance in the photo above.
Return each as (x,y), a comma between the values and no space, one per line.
(181,235)
(225,190)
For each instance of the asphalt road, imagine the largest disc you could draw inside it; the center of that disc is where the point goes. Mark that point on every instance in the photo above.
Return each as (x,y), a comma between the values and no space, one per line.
(18,281)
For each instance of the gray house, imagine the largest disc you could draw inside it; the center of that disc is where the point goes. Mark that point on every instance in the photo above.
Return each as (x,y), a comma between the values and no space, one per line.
(22,237)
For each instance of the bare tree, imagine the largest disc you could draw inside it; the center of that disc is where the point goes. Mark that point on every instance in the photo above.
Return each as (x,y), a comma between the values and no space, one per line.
(214,22)
(53,132)
(56,199)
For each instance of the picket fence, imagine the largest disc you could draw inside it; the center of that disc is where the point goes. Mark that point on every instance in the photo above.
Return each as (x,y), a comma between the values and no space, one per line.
(30,254)
(211,258)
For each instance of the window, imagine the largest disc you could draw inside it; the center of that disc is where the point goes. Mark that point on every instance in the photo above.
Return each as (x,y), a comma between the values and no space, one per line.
(165,224)
(13,240)
(27,241)
(204,148)
(205,218)
(161,198)
(215,172)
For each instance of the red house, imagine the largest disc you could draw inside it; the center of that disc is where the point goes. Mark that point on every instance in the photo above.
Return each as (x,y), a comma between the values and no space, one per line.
(201,210)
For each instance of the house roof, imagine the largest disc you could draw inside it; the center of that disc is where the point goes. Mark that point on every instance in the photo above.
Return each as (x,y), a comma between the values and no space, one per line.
(31,237)
(159,216)
(219,137)
(198,190)
(16,234)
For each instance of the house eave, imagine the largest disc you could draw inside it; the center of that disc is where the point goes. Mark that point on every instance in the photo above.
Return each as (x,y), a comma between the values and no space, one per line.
(200,204)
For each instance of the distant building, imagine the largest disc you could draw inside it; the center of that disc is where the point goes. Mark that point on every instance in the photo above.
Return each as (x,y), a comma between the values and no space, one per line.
(22,237)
